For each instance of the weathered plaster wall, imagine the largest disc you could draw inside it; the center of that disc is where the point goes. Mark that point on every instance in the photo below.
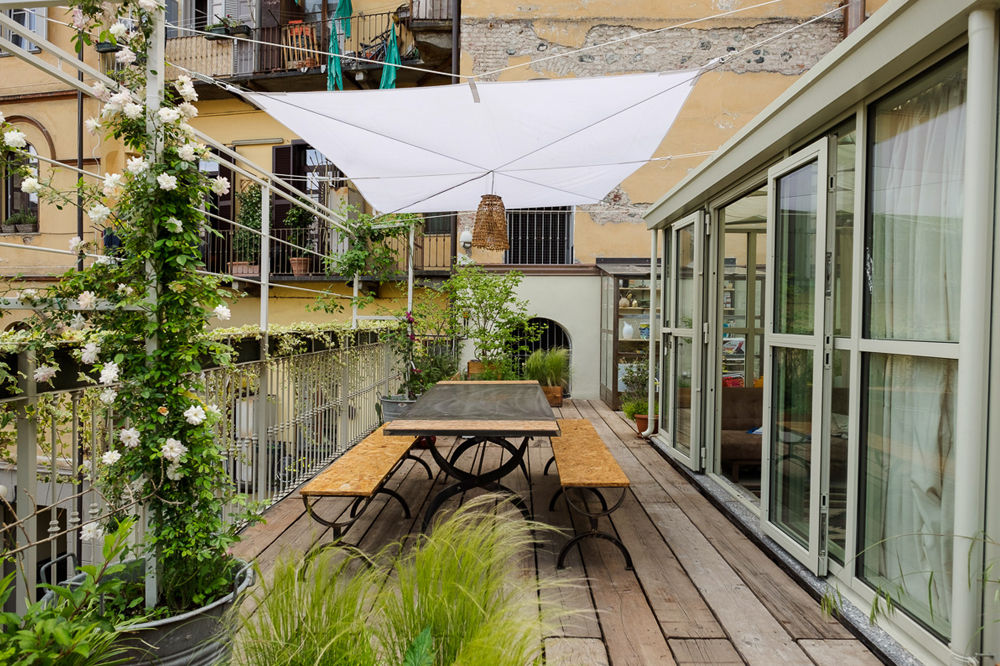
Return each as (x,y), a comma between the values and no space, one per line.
(533,40)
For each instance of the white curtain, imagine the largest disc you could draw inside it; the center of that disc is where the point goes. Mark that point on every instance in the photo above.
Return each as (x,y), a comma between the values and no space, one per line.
(912,275)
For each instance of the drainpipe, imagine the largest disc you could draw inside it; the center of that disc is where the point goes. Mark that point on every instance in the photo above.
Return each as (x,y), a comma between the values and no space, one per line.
(653,334)
(973,379)
(456,39)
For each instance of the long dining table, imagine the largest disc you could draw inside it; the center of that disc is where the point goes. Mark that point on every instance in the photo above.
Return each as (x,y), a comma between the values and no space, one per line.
(490,413)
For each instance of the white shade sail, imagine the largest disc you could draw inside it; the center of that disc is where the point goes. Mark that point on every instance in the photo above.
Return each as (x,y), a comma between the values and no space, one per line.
(535,143)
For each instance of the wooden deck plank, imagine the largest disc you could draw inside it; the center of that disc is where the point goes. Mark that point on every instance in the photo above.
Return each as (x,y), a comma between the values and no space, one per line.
(583,623)
(575,652)
(676,602)
(631,631)
(839,652)
(704,652)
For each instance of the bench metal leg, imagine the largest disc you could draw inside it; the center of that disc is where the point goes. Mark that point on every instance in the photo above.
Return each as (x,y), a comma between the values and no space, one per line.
(419,461)
(600,498)
(545,471)
(593,532)
(397,496)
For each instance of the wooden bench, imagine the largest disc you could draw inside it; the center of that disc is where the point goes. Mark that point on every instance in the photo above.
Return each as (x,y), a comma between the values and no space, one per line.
(361,473)
(585,465)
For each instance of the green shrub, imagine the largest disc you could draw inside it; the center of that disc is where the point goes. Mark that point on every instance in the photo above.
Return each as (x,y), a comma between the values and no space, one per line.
(548,368)
(634,406)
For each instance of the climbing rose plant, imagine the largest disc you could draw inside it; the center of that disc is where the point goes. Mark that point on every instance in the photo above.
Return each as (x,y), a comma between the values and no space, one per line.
(162,454)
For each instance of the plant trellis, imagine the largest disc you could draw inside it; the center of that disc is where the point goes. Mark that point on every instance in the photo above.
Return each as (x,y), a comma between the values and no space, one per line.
(534,143)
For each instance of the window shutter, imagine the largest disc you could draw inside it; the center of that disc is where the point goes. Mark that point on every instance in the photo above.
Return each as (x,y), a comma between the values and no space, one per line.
(281,163)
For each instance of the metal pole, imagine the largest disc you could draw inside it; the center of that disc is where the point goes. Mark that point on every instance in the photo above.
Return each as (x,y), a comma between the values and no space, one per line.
(79,155)
(651,366)
(973,373)
(456,39)
(260,405)
(27,477)
(154,96)
(409,274)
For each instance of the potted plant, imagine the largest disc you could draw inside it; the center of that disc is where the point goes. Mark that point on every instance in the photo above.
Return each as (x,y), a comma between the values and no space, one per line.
(246,243)
(23,222)
(216,31)
(146,349)
(7,227)
(299,221)
(550,368)
(634,399)
(235,27)
(107,47)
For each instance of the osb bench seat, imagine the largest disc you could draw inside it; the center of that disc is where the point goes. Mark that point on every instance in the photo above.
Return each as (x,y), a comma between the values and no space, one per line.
(361,473)
(585,463)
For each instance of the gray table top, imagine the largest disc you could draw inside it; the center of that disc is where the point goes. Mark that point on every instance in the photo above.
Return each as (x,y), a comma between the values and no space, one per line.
(500,409)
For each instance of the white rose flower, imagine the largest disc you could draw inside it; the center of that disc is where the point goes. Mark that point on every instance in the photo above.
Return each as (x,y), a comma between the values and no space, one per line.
(132,110)
(174,225)
(136,166)
(109,374)
(30,185)
(129,437)
(172,449)
(213,411)
(78,322)
(126,56)
(174,472)
(118,30)
(86,300)
(124,289)
(15,138)
(105,260)
(220,185)
(112,184)
(29,294)
(194,414)
(91,532)
(75,244)
(186,153)
(187,109)
(223,313)
(100,91)
(98,213)
(93,125)
(167,182)
(148,5)
(182,80)
(169,115)
(45,373)
(90,354)
(111,457)
(185,88)
(108,396)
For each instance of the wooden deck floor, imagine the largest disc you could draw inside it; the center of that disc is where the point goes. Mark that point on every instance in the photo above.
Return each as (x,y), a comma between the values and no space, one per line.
(701,592)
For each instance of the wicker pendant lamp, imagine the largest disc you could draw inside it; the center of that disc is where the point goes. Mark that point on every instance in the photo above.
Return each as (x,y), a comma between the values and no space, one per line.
(490,230)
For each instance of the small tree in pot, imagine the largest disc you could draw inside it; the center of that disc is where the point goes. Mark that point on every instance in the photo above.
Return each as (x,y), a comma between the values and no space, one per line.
(246,243)
(299,221)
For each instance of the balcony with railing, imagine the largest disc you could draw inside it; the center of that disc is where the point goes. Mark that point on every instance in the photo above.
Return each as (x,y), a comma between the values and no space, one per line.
(303,253)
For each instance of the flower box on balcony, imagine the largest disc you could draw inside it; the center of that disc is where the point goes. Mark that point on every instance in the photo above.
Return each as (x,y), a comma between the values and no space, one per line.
(241,30)
(216,32)
(107,47)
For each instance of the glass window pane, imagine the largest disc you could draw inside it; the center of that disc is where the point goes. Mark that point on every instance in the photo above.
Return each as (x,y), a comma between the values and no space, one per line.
(840,403)
(795,251)
(914,248)
(791,441)
(684,256)
(665,289)
(734,281)
(908,483)
(682,393)
(843,239)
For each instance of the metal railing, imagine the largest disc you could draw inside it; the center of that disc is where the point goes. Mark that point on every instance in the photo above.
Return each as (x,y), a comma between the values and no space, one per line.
(283,419)
(287,47)
(236,252)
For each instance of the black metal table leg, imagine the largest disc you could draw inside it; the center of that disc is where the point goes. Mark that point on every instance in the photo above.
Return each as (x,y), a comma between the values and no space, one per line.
(593,532)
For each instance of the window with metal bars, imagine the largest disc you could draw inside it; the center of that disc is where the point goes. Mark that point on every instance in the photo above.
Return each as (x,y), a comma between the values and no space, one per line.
(540,236)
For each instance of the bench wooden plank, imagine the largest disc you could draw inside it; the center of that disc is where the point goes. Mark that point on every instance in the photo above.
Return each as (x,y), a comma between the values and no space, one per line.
(360,471)
(583,459)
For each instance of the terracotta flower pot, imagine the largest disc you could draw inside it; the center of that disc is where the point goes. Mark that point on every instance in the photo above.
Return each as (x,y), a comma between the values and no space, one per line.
(475,368)
(300,265)
(642,422)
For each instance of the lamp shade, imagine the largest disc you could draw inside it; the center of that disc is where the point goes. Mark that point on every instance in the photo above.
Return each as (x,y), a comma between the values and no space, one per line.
(490,230)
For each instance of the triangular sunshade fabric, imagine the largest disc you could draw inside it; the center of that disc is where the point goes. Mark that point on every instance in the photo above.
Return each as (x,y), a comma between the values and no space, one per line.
(535,143)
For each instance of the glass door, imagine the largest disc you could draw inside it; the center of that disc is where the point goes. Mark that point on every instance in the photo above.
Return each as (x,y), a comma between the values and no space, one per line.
(796,347)
(682,340)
